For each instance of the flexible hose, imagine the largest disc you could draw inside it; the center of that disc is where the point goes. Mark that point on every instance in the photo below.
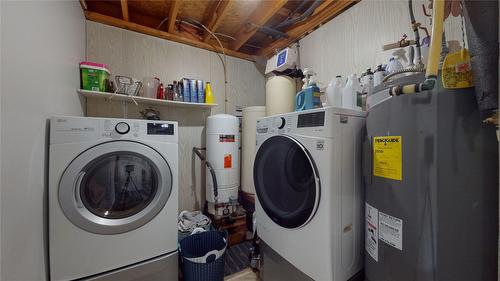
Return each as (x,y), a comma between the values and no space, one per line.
(414,26)
(434,55)
(223,60)
(437,31)
(202,157)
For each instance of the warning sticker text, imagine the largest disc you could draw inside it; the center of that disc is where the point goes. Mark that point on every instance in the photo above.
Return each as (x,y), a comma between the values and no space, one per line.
(387,157)
(391,230)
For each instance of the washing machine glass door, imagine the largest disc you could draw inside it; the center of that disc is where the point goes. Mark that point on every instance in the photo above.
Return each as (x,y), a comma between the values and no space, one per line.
(286,181)
(115,187)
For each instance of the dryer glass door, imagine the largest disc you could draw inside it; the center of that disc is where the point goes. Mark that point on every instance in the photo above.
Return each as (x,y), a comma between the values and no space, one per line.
(115,187)
(118,185)
(286,181)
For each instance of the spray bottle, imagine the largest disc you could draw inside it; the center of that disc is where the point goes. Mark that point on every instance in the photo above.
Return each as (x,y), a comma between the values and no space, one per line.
(309,97)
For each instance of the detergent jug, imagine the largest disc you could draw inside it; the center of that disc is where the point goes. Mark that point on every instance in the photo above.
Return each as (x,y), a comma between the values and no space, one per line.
(309,97)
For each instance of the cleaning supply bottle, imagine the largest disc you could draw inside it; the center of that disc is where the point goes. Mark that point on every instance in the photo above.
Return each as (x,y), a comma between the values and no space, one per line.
(367,82)
(350,92)
(309,97)
(358,93)
(378,76)
(367,87)
(209,96)
(160,93)
(334,92)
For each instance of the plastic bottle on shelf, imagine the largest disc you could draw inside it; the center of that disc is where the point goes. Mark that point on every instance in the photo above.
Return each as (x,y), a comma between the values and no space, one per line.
(170,92)
(367,87)
(209,96)
(358,93)
(160,94)
(177,95)
(350,92)
(378,76)
(334,92)
(367,82)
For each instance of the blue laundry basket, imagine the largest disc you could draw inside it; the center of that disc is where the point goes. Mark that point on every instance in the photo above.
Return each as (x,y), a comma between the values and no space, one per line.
(202,256)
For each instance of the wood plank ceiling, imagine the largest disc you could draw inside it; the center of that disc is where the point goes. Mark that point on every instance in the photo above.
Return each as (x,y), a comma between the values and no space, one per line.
(245,28)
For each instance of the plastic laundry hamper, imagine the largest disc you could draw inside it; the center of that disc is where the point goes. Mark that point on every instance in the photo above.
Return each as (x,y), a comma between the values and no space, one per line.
(202,256)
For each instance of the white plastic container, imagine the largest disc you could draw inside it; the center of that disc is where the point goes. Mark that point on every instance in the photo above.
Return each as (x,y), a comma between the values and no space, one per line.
(378,77)
(248,129)
(222,134)
(150,87)
(349,93)
(334,92)
(280,95)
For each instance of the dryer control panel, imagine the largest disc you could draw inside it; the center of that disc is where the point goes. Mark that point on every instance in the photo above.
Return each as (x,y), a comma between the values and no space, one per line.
(80,129)
(291,122)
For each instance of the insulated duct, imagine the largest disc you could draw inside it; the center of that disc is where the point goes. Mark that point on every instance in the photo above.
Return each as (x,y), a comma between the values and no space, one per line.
(276,31)
(481,24)
(302,17)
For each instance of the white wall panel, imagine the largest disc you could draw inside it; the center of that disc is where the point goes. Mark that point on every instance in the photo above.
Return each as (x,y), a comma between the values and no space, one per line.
(352,42)
(137,55)
(42,43)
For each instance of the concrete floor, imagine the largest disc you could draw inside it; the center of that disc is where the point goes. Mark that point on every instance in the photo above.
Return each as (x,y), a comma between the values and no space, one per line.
(245,275)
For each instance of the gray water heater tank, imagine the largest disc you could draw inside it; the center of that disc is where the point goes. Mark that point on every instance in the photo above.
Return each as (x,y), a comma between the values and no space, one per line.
(431,172)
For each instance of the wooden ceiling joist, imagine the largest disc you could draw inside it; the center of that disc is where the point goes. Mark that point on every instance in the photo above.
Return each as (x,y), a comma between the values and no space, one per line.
(214,17)
(83,4)
(97,17)
(259,17)
(297,31)
(239,20)
(172,15)
(124,5)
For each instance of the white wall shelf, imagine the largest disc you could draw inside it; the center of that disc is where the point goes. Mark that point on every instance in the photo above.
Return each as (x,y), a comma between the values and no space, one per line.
(143,100)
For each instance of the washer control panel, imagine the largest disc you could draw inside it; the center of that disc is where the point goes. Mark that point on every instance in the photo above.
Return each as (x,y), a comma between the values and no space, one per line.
(79,129)
(160,128)
(122,128)
(313,119)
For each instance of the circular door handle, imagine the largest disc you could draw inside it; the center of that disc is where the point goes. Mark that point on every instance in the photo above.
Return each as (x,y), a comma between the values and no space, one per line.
(283,122)
(122,128)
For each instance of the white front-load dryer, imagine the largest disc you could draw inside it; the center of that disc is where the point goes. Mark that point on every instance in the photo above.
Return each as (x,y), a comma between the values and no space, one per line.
(113,199)
(309,191)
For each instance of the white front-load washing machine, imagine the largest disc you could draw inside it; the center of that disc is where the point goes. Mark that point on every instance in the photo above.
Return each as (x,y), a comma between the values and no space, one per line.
(113,199)
(309,190)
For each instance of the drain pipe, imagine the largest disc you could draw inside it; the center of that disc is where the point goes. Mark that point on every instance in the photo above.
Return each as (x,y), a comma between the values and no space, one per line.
(434,55)
(202,157)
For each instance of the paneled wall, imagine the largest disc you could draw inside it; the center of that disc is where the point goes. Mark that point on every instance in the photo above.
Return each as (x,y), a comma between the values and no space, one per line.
(352,42)
(137,55)
(39,73)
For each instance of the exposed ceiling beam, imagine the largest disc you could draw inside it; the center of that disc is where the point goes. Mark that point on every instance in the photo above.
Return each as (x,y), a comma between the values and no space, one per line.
(172,15)
(258,18)
(83,4)
(214,17)
(301,29)
(92,16)
(321,7)
(125,10)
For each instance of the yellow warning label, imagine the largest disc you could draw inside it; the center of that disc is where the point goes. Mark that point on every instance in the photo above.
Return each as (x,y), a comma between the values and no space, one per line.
(387,157)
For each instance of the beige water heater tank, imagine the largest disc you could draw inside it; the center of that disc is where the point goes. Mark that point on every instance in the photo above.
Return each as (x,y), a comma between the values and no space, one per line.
(248,129)
(280,95)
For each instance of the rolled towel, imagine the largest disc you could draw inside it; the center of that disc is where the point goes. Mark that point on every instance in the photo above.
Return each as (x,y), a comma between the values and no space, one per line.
(188,221)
